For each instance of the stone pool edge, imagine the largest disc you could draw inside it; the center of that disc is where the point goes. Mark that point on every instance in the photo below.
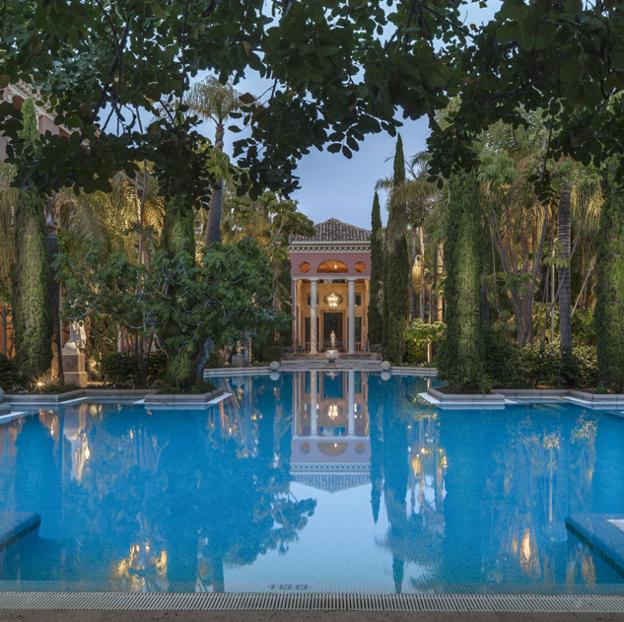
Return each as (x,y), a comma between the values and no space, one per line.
(143,397)
(500,398)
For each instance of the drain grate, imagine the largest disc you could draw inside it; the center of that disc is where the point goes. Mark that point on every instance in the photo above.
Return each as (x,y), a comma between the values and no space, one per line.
(504,603)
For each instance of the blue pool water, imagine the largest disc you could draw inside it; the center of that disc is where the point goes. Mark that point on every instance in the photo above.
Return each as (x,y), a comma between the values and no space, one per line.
(313,482)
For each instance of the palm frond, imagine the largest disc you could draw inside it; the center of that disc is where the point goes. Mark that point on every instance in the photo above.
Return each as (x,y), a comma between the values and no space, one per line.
(210,99)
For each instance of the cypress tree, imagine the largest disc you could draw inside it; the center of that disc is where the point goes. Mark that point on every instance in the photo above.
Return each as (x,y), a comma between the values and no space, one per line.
(375,321)
(32,318)
(178,241)
(396,268)
(609,316)
(461,362)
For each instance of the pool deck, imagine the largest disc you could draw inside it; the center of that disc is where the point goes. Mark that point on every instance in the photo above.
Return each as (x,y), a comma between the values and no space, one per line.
(301,616)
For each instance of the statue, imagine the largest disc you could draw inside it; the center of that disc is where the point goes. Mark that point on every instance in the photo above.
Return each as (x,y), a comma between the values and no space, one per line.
(77,335)
(73,355)
(332,353)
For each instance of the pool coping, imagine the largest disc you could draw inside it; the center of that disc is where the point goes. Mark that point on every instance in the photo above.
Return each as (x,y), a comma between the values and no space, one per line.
(309,602)
(17,525)
(320,365)
(601,534)
(145,396)
(500,398)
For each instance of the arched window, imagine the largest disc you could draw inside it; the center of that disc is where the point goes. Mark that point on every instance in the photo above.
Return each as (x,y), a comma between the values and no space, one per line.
(360,266)
(333,266)
(304,266)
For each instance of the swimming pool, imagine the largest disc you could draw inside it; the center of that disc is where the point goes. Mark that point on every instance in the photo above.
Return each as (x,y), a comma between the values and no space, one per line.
(311,482)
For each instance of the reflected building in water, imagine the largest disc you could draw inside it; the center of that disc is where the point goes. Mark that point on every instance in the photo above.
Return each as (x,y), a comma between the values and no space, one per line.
(331,447)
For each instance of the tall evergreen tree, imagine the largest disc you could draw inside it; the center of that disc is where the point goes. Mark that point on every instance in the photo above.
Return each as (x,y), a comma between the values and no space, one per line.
(31,306)
(462,358)
(396,267)
(375,320)
(609,315)
(178,242)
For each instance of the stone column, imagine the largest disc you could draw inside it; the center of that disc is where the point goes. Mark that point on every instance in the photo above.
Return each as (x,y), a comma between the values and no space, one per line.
(351,402)
(313,326)
(313,410)
(351,316)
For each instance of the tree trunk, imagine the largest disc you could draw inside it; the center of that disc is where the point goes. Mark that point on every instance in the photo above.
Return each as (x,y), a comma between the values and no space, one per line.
(565,289)
(54,294)
(439,275)
(213,226)
(421,294)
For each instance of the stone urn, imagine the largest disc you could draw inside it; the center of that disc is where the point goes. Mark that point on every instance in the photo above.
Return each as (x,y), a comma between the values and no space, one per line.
(332,356)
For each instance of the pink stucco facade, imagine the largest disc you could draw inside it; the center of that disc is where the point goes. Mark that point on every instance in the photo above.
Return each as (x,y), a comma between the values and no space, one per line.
(358,263)
(330,272)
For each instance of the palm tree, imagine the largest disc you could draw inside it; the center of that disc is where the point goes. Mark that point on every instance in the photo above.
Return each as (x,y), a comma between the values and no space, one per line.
(565,285)
(214,101)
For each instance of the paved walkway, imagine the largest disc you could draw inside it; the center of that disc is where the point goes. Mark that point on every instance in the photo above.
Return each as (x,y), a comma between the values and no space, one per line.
(285,616)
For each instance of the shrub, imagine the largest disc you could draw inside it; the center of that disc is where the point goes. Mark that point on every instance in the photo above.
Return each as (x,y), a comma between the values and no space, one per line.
(510,366)
(10,378)
(503,365)
(156,368)
(123,370)
(543,364)
(55,387)
(120,369)
(271,353)
(215,359)
(586,372)
(418,336)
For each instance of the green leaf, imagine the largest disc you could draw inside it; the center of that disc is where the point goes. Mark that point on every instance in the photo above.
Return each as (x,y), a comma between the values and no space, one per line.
(570,69)
(513,9)
(334,148)
(346,152)
(159,11)
(507,33)
(4,80)
(328,50)
(247,98)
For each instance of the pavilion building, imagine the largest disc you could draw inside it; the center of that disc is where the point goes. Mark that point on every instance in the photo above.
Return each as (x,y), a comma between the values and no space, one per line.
(330,273)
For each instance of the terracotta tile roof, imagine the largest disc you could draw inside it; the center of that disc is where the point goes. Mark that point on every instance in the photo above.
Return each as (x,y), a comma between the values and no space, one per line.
(334,230)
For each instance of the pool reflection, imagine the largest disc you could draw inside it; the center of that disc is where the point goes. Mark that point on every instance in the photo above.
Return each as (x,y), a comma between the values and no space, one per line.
(338,481)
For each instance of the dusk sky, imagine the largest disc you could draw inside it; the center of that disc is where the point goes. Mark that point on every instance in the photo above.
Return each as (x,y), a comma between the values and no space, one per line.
(333,186)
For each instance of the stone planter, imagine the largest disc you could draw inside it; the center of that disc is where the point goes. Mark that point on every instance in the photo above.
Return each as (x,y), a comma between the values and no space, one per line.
(177,399)
(467,400)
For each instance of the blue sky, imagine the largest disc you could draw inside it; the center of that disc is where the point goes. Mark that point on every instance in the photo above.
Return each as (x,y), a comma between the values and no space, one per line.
(333,186)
